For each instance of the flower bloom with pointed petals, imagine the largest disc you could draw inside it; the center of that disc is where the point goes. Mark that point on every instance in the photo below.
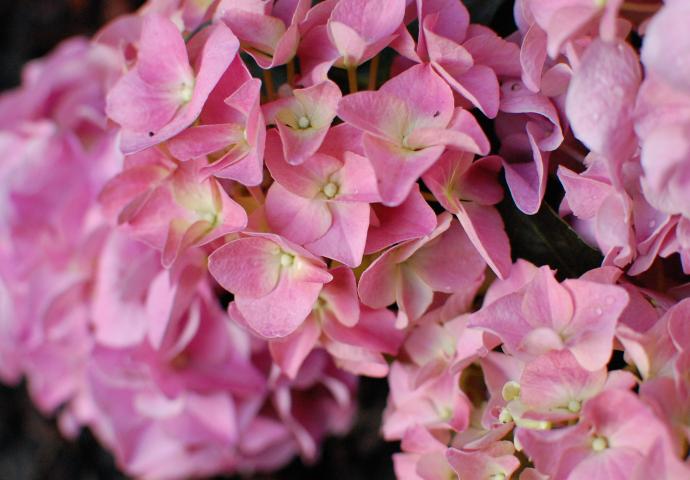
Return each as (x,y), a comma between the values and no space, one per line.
(163,94)
(410,272)
(354,335)
(408,123)
(469,57)
(303,120)
(468,190)
(275,282)
(168,206)
(322,204)
(346,34)
(615,433)
(268,30)
(230,132)
(577,315)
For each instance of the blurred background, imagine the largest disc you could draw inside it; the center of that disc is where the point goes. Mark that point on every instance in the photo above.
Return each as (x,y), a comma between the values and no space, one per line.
(31,447)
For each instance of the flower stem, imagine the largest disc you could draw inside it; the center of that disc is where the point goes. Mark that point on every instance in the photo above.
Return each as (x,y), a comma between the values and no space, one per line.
(352,78)
(268,83)
(640,7)
(291,72)
(373,72)
(257,194)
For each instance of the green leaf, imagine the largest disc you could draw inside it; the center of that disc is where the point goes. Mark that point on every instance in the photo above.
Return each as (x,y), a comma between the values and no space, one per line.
(545,239)
(483,11)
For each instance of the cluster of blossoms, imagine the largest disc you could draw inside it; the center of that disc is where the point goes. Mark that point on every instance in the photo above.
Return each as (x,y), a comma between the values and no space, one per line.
(212,224)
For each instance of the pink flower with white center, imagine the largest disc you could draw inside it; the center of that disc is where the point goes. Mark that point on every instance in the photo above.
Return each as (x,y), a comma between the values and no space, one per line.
(230,132)
(410,272)
(163,94)
(322,204)
(468,190)
(167,205)
(615,434)
(554,386)
(468,57)
(355,336)
(577,315)
(268,30)
(275,282)
(408,123)
(347,33)
(303,120)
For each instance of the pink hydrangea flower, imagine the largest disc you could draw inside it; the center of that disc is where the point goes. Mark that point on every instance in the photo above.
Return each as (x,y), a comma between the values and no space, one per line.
(322,204)
(163,93)
(409,273)
(577,315)
(275,282)
(408,123)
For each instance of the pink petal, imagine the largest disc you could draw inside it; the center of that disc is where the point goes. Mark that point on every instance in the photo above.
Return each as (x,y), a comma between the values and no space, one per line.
(413,218)
(283,310)
(484,227)
(301,220)
(601,97)
(345,238)
(247,266)
(289,352)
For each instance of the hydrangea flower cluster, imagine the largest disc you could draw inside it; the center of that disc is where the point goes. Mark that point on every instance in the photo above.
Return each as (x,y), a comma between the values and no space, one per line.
(217,214)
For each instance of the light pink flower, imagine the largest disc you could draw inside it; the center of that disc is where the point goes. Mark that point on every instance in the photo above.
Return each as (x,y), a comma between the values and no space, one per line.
(615,434)
(303,119)
(322,204)
(469,189)
(231,131)
(410,273)
(601,99)
(355,336)
(275,282)
(269,30)
(346,34)
(169,206)
(468,57)
(577,315)
(163,94)
(408,123)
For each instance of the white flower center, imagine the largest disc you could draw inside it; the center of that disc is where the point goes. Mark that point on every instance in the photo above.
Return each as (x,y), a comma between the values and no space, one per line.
(286,260)
(330,189)
(186,92)
(510,391)
(574,406)
(599,444)
(303,122)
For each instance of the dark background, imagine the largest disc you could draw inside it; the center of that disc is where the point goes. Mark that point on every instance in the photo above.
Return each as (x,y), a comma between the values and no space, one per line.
(31,447)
